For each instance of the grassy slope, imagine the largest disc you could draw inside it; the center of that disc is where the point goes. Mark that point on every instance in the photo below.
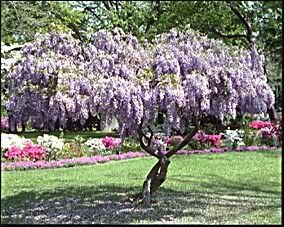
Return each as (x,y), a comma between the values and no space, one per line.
(211,188)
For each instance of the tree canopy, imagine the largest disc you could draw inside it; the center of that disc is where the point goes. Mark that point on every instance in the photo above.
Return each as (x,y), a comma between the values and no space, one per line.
(182,73)
(21,20)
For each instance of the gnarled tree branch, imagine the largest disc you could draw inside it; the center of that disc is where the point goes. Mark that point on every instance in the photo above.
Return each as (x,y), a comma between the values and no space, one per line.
(185,140)
(151,136)
(244,21)
(147,147)
(229,36)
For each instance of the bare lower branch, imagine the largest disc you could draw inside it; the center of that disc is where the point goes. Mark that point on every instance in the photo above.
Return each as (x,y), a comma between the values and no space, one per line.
(185,140)
(229,36)
(151,137)
(148,149)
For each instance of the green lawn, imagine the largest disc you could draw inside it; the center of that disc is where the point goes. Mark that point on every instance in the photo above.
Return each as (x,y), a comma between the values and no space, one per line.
(235,188)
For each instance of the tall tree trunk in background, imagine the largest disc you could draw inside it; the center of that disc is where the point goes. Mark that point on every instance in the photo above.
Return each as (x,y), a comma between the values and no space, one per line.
(98,123)
(12,124)
(23,126)
(272,114)
(271,111)
(160,118)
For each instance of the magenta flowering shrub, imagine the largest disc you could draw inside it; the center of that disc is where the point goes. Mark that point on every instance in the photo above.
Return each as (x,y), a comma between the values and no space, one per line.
(201,137)
(35,152)
(111,143)
(4,123)
(14,153)
(30,152)
(268,132)
(259,124)
(272,134)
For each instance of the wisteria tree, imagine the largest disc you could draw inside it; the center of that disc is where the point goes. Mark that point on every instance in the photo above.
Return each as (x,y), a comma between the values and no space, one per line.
(182,73)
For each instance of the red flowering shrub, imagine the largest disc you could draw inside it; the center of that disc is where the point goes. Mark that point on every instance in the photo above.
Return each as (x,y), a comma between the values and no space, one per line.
(29,152)
(214,140)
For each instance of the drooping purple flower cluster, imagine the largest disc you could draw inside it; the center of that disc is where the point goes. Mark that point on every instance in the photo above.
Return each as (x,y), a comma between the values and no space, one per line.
(209,77)
(43,87)
(182,74)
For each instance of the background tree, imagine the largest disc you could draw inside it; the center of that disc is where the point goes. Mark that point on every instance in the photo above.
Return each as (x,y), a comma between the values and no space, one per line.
(21,20)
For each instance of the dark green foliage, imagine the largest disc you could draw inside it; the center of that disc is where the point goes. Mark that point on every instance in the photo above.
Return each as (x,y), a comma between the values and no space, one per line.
(21,20)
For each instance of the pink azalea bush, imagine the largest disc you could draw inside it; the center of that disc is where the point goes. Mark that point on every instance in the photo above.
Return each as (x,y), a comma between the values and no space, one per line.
(111,143)
(259,124)
(30,152)
(272,134)
(269,132)
(4,123)
(201,137)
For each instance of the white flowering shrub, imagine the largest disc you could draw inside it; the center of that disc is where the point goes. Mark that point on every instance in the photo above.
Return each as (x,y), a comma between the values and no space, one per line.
(52,144)
(234,138)
(8,140)
(95,144)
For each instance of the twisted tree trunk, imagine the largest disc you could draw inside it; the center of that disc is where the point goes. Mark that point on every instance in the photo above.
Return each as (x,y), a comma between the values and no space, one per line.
(155,178)
(157,175)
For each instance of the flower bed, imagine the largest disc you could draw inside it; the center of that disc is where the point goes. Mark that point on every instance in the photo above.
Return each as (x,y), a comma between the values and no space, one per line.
(24,165)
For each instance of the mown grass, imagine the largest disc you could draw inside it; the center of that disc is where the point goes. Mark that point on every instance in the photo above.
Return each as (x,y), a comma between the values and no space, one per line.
(228,188)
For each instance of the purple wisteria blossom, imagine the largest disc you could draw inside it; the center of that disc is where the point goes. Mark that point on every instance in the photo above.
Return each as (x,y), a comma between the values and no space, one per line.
(181,73)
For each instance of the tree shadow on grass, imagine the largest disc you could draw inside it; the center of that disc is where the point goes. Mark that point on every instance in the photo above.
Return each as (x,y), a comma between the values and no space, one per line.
(219,201)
